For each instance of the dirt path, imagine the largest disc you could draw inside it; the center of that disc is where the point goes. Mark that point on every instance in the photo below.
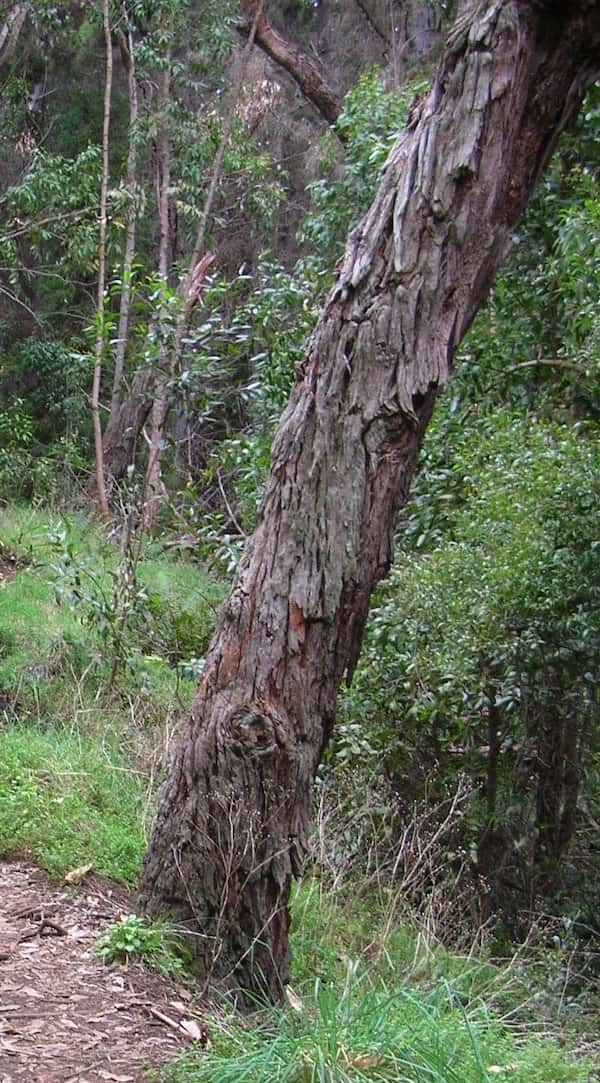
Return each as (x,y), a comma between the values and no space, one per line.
(65,1017)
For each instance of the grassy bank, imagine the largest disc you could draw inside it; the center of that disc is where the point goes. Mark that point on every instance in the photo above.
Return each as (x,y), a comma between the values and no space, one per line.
(374,995)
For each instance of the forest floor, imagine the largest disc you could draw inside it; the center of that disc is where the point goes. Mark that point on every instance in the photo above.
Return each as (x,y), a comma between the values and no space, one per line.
(65,1016)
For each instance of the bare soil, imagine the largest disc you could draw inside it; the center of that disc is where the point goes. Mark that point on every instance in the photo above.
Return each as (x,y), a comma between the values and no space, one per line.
(65,1016)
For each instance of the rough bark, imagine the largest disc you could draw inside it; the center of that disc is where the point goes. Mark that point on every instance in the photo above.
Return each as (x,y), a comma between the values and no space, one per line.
(232,822)
(11,29)
(300,66)
(122,433)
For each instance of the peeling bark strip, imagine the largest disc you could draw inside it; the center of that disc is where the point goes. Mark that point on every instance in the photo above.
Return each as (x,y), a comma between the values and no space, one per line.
(11,30)
(231,827)
(299,65)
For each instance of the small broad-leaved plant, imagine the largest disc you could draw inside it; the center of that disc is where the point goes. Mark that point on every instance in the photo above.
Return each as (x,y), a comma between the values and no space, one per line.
(156,945)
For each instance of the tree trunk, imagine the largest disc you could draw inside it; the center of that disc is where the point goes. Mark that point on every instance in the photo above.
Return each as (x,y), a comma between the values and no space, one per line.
(128,55)
(154,484)
(122,432)
(190,289)
(100,305)
(233,817)
(128,413)
(11,29)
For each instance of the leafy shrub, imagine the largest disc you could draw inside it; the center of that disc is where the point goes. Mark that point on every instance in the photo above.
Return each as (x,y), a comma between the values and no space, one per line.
(481,646)
(157,945)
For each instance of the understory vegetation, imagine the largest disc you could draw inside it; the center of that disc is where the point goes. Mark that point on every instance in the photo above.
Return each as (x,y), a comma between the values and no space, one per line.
(447,926)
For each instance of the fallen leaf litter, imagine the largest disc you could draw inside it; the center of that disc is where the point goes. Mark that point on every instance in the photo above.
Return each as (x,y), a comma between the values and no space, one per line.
(66,1017)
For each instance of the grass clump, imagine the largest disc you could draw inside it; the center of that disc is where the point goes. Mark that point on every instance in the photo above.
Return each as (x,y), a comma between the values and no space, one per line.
(367,1029)
(375,1002)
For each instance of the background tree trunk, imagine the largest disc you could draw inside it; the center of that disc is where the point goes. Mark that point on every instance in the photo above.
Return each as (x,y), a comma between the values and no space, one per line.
(100,304)
(122,433)
(232,823)
(154,484)
(10,30)
(300,66)
(190,289)
(128,55)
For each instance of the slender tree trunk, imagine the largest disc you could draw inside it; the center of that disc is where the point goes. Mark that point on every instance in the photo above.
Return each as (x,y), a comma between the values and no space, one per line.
(129,408)
(122,433)
(95,396)
(153,487)
(558,785)
(571,781)
(191,289)
(231,828)
(288,56)
(128,54)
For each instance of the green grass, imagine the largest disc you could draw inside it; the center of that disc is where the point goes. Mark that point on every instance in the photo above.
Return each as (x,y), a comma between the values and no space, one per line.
(366,1029)
(53,650)
(372,999)
(35,633)
(70,800)
(375,1002)
(74,762)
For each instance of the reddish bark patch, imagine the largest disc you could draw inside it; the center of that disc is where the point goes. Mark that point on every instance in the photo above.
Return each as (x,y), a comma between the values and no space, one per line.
(297,624)
(66,1017)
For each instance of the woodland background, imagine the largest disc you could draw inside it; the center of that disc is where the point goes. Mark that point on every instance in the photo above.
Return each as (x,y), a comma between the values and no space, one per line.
(461,787)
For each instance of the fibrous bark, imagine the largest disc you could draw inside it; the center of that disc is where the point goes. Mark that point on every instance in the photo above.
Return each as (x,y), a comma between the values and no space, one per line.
(11,29)
(122,433)
(232,822)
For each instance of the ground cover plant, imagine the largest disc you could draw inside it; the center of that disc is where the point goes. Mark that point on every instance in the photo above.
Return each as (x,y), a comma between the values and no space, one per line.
(78,753)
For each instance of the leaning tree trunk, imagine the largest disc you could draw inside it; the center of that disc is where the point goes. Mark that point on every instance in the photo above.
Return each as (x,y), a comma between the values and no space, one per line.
(232,822)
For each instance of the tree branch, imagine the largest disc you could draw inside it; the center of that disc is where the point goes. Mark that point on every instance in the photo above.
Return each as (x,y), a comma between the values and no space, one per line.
(300,66)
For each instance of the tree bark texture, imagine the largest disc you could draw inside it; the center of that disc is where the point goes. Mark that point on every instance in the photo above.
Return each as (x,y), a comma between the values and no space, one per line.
(10,31)
(233,817)
(122,433)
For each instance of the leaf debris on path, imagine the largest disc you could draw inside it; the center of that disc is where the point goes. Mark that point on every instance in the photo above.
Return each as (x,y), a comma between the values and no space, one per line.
(66,1017)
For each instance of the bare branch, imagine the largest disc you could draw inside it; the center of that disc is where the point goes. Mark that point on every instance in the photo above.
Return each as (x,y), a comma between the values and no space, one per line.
(301,67)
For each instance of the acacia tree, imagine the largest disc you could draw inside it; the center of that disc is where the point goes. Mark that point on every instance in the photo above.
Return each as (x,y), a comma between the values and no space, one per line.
(233,817)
